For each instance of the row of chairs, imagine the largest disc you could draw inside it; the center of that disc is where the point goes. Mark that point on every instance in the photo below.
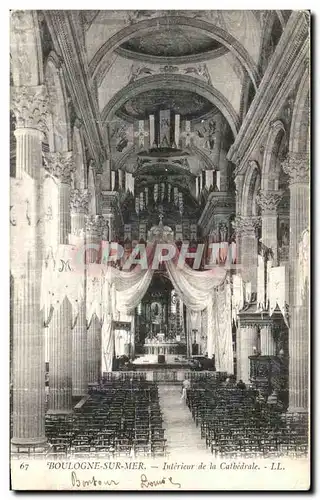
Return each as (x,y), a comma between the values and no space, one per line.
(121,418)
(235,424)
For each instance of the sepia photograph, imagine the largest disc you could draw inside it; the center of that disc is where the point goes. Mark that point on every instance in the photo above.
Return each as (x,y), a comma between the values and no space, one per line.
(160,250)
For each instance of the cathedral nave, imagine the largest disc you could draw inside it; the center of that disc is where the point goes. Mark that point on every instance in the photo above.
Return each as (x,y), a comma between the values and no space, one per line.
(159,224)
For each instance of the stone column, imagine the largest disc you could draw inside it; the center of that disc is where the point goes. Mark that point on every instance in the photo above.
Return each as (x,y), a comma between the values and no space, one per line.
(268,201)
(94,228)
(267,343)
(246,229)
(248,341)
(79,209)
(60,166)
(29,105)
(297,167)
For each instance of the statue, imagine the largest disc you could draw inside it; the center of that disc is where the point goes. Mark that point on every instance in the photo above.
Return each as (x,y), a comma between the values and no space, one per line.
(106,232)
(223,232)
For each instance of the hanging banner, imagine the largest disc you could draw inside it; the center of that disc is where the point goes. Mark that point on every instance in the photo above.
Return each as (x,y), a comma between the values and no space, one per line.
(107,340)
(164,126)
(23,222)
(141,135)
(277,292)
(62,277)
(247,292)
(303,266)
(95,283)
(261,284)
(223,329)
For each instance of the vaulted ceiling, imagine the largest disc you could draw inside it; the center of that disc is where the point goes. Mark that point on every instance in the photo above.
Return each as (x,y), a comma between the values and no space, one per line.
(174,42)
(196,63)
(188,104)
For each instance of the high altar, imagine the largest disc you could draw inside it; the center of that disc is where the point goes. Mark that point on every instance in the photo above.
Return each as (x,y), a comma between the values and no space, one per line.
(160,322)
(160,345)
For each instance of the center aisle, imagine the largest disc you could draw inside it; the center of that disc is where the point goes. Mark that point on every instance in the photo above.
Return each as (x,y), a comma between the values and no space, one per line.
(183,437)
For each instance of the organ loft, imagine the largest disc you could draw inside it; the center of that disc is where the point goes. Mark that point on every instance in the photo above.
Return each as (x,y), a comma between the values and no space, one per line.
(159,224)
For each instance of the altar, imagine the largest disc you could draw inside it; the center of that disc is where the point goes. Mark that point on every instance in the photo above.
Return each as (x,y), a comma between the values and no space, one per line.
(159,344)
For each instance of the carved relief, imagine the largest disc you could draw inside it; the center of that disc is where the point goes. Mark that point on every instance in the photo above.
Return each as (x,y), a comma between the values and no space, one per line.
(141,71)
(207,135)
(119,137)
(138,72)
(200,71)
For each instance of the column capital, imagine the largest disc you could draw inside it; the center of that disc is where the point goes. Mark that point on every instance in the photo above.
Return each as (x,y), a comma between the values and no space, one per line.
(246,225)
(297,166)
(30,107)
(268,201)
(95,225)
(79,200)
(60,165)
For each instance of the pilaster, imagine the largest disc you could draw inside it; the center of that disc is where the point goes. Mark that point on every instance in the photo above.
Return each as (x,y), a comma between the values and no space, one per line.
(246,230)
(268,202)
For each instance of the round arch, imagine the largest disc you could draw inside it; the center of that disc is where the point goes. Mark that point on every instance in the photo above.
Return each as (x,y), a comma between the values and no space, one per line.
(251,186)
(275,137)
(204,157)
(175,82)
(146,26)
(193,149)
(272,17)
(299,131)
(59,134)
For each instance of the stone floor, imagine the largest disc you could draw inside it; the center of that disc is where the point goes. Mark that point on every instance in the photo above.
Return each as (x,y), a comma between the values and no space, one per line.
(183,437)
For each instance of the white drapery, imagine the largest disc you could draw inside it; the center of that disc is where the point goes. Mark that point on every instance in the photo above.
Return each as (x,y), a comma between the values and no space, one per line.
(194,288)
(130,287)
(223,329)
